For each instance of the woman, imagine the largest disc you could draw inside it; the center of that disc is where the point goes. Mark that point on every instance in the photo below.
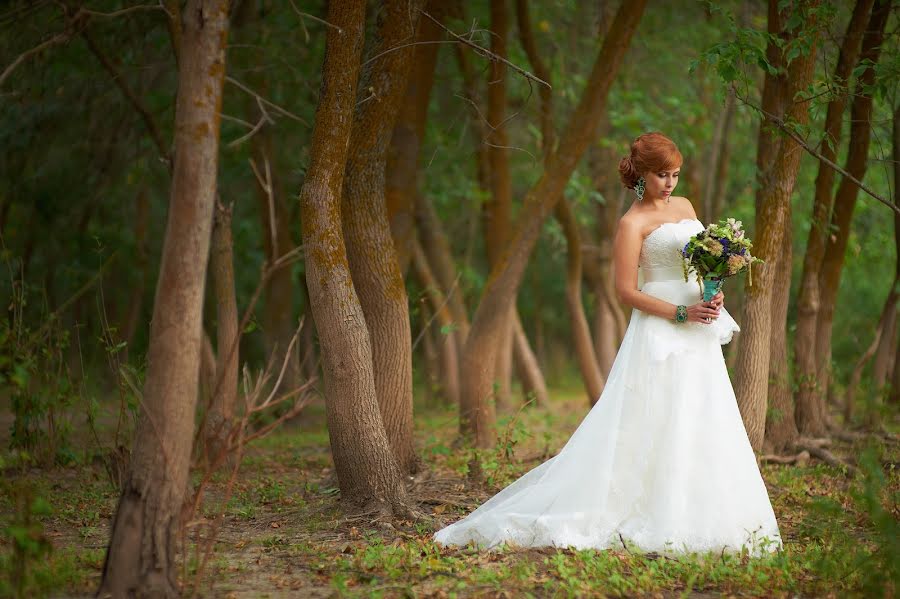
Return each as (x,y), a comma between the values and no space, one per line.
(662,461)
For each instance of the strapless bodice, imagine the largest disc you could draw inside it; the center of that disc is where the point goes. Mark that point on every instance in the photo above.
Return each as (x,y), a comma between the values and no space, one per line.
(661,251)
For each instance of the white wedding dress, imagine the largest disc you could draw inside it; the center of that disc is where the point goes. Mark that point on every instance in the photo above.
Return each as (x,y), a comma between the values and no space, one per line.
(662,461)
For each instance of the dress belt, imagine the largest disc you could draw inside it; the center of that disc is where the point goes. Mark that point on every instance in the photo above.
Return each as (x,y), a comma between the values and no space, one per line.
(662,273)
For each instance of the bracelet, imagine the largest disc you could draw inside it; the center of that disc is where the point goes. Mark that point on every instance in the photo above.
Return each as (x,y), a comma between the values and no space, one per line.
(681,314)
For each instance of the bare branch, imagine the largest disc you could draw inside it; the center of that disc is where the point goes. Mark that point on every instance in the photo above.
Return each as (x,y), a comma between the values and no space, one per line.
(268,103)
(306,15)
(132,97)
(124,11)
(779,122)
(487,53)
(59,38)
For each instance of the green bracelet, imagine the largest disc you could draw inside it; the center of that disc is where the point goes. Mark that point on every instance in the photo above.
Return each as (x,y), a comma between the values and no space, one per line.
(681,314)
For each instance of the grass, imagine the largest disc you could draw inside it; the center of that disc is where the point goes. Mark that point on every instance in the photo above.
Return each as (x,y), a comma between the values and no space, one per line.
(284,533)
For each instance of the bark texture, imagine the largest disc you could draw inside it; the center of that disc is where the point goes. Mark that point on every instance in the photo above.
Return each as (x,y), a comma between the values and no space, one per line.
(477,413)
(370,247)
(813,421)
(225,390)
(402,170)
(366,468)
(809,398)
(581,332)
(781,428)
(140,559)
(773,201)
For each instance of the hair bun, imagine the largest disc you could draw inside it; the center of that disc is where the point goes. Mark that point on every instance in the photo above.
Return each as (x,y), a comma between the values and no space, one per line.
(627,172)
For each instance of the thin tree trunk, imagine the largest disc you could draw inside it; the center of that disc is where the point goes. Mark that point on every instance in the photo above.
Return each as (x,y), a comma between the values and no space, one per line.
(809,400)
(366,468)
(528,369)
(581,332)
(718,161)
(887,320)
(477,413)
(773,200)
(781,428)
(370,247)
(142,269)
(449,350)
(894,396)
(278,320)
(497,209)
(437,251)
(812,421)
(401,173)
(221,266)
(140,559)
(309,359)
(430,359)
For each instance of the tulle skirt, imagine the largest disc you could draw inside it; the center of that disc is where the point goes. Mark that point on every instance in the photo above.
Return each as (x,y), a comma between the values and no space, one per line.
(661,462)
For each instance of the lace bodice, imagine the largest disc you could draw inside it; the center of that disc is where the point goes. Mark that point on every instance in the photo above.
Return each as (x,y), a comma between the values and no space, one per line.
(662,247)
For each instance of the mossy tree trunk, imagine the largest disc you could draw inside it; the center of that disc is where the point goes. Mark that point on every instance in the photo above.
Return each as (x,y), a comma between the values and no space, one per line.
(366,468)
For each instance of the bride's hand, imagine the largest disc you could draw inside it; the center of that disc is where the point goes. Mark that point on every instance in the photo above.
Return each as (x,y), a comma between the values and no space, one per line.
(718,300)
(703,312)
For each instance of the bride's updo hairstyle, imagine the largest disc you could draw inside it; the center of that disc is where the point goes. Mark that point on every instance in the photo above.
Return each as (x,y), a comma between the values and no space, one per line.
(649,152)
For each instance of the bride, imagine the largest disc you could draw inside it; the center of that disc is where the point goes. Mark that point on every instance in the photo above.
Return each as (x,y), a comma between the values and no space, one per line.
(662,461)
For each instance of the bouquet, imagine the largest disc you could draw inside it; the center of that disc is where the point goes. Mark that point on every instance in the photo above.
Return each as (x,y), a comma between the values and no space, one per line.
(721,250)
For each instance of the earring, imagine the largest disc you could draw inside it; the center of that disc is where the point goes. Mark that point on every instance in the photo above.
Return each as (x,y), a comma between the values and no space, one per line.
(639,188)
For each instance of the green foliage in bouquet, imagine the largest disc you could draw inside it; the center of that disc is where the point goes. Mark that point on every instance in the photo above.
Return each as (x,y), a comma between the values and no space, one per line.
(721,250)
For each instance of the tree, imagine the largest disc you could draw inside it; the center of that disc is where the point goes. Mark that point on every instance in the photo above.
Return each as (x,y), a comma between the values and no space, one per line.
(476,409)
(844,204)
(366,467)
(778,160)
(140,559)
(809,399)
(370,247)
(581,332)
(225,389)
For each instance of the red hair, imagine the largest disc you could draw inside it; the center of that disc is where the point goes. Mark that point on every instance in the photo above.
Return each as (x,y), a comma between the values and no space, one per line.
(649,152)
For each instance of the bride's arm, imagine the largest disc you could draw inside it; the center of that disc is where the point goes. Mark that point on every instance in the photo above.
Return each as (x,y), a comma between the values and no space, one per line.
(626,253)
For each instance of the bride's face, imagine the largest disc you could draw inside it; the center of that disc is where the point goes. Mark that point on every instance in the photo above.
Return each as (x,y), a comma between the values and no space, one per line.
(661,184)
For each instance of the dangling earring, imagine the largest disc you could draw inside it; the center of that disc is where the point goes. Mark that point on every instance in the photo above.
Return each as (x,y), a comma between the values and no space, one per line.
(639,188)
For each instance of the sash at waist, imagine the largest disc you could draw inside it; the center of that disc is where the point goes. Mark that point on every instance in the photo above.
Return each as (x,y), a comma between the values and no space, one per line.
(662,273)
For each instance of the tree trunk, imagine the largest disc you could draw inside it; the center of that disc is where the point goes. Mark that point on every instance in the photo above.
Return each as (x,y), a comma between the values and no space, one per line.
(224,397)
(609,318)
(886,322)
(449,351)
(477,411)
(894,395)
(718,161)
(370,247)
(781,428)
(773,200)
(430,358)
(142,270)
(581,332)
(366,468)
(437,251)
(527,366)
(278,320)
(812,421)
(401,173)
(140,559)
(309,359)
(809,398)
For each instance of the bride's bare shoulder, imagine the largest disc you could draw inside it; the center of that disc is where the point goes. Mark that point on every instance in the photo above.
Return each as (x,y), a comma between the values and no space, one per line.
(631,223)
(685,206)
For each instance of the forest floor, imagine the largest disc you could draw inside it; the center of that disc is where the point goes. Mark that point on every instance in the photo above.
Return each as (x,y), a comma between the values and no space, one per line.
(284,533)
